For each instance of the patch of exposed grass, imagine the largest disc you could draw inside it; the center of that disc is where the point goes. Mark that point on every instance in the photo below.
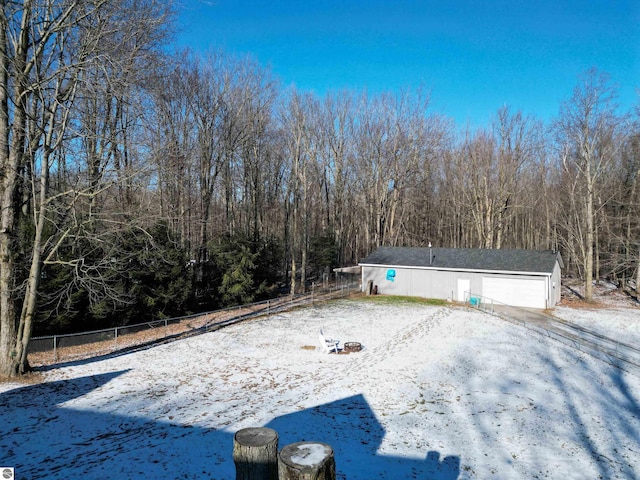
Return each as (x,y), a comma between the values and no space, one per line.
(400,300)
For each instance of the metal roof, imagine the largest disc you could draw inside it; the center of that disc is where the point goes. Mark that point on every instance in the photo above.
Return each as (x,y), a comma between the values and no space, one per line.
(480,259)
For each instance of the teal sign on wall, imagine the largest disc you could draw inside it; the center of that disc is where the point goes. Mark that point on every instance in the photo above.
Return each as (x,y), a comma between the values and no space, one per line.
(391,275)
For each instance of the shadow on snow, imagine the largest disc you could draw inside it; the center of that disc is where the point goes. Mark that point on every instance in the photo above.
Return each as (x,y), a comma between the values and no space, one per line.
(43,438)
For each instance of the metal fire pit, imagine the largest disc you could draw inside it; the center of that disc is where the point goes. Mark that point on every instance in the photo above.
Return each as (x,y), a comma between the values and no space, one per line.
(352,347)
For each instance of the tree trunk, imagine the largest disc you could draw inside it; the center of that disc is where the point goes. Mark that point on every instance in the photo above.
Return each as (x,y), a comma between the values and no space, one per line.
(596,253)
(10,162)
(638,276)
(27,315)
(306,461)
(588,263)
(305,232)
(255,454)
(7,179)
(293,272)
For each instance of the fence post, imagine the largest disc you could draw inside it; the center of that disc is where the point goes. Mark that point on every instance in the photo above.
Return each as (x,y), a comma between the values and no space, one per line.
(55,348)
(306,460)
(255,454)
(115,339)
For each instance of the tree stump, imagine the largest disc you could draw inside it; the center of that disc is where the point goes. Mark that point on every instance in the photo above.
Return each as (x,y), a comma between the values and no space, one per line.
(306,461)
(255,454)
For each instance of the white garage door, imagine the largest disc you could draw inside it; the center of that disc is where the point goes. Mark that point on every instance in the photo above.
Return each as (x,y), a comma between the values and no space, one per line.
(514,291)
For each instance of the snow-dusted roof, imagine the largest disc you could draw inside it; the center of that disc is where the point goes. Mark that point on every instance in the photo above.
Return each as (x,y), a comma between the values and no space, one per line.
(504,260)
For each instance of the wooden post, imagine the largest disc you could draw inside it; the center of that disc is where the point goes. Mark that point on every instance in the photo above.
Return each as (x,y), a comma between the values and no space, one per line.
(306,461)
(255,454)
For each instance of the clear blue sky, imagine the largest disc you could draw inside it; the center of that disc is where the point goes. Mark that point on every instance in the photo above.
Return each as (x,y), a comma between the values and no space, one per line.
(474,56)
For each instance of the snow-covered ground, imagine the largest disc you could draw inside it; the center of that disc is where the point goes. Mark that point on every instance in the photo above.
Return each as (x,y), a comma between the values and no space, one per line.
(614,314)
(436,393)
(619,323)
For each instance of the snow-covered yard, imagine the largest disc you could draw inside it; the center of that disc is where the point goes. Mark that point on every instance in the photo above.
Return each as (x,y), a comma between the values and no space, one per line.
(617,322)
(436,393)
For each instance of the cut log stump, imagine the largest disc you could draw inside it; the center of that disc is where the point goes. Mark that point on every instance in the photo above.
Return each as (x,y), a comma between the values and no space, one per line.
(306,461)
(255,454)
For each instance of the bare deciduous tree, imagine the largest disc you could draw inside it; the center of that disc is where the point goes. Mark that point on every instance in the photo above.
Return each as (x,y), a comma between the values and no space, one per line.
(587,133)
(46,50)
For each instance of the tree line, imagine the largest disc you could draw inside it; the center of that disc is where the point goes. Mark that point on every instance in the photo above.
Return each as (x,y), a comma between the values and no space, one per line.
(137,183)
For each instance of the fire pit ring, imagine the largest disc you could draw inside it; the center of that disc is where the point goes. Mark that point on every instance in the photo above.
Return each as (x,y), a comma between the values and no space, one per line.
(352,347)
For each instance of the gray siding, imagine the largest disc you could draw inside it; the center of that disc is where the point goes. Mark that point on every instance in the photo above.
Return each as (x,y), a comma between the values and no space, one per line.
(415,282)
(442,284)
(554,286)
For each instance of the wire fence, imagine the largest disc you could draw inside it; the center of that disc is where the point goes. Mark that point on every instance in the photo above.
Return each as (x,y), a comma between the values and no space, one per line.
(54,349)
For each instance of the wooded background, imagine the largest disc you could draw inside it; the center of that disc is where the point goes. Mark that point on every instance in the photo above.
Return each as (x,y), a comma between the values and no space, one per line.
(139,183)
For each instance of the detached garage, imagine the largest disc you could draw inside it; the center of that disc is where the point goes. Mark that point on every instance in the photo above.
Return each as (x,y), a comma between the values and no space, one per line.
(522,278)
